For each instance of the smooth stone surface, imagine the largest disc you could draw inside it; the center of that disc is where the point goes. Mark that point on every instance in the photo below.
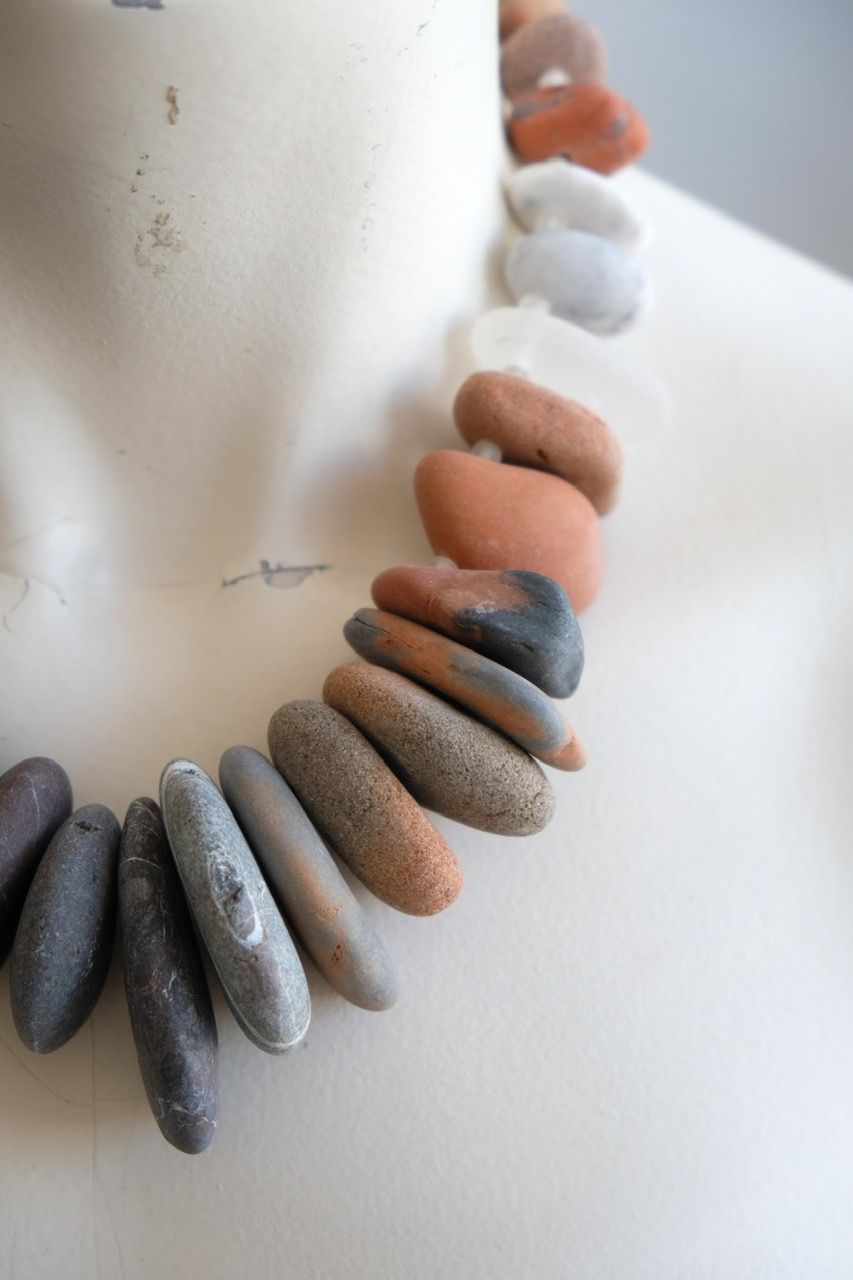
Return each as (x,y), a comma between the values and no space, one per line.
(583,278)
(64,940)
(450,763)
(556,193)
(524,621)
(364,812)
(252,952)
(310,889)
(513,14)
(490,515)
(501,698)
(562,41)
(553,353)
(167,995)
(585,123)
(35,799)
(535,427)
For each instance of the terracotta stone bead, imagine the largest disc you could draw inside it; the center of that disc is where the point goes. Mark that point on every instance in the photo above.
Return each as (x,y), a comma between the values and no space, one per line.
(538,428)
(585,123)
(513,14)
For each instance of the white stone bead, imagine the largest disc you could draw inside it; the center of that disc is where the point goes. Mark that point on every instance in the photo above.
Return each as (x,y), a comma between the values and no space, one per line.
(584,278)
(487,449)
(557,193)
(574,363)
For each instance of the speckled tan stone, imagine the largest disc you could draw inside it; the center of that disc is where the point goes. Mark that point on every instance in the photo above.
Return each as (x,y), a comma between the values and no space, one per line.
(585,123)
(449,762)
(490,515)
(538,428)
(364,812)
(558,40)
(513,14)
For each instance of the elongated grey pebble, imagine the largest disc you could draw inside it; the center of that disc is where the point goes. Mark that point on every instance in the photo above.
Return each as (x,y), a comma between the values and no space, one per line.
(167,996)
(64,941)
(35,798)
(310,889)
(247,940)
(582,277)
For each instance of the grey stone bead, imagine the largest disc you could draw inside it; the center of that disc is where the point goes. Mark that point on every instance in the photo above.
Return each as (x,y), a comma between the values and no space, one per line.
(252,952)
(310,889)
(35,798)
(583,278)
(64,941)
(167,995)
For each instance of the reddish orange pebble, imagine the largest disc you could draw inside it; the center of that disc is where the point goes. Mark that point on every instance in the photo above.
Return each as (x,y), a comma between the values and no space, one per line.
(513,14)
(489,515)
(585,123)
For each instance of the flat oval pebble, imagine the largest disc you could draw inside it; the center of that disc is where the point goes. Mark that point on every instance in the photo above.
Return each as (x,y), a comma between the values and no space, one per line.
(64,941)
(556,193)
(524,621)
(451,763)
(583,278)
(364,812)
(559,41)
(246,938)
(537,428)
(167,995)
(585,123)
(490,515)
(310,889)
(35,799)
(504,700)
(513,14)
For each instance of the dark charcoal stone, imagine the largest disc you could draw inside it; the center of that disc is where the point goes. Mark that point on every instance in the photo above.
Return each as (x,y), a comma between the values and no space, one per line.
(64,941)
(35,798)
(167,995)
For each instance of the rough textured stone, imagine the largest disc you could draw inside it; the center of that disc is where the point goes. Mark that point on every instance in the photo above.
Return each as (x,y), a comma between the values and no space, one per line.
(524,621)
(556,193)
(450,763)
(310,889)
(251,950)
(490,515)
(35,798)
(64,941)
(586,123)
(535,427)
(515,13)
(170,1011)
(506,701)
(583,278)
(559,41)
(362,809)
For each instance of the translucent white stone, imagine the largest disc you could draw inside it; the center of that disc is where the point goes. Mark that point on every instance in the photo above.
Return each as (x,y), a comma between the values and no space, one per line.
(584,278)
(557,193)
(574,363)
(487,449)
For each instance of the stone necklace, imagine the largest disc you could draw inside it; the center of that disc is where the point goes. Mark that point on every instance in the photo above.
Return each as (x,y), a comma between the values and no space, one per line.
(447,713)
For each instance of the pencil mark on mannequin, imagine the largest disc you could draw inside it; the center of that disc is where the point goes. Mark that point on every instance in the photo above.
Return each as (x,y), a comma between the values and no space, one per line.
(20,600)
(174,109)
(139,4)
(279,575)
(161,235)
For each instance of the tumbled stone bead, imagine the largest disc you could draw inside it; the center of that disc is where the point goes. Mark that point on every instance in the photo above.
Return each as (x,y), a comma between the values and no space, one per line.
(35,798)
(64,940)
(524,621)
(451,763)
(535,427)
(559,355)
(490,515)
(500,697)
(310,889)
(556,193)
(558,41)
(252,952)
(362,809)
(586,123)
(583,278)
(167,997)
(513,14)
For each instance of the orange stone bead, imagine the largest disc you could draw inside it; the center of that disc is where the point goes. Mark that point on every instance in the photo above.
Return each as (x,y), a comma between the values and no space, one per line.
(513,14)
(585,123)
(489,515)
